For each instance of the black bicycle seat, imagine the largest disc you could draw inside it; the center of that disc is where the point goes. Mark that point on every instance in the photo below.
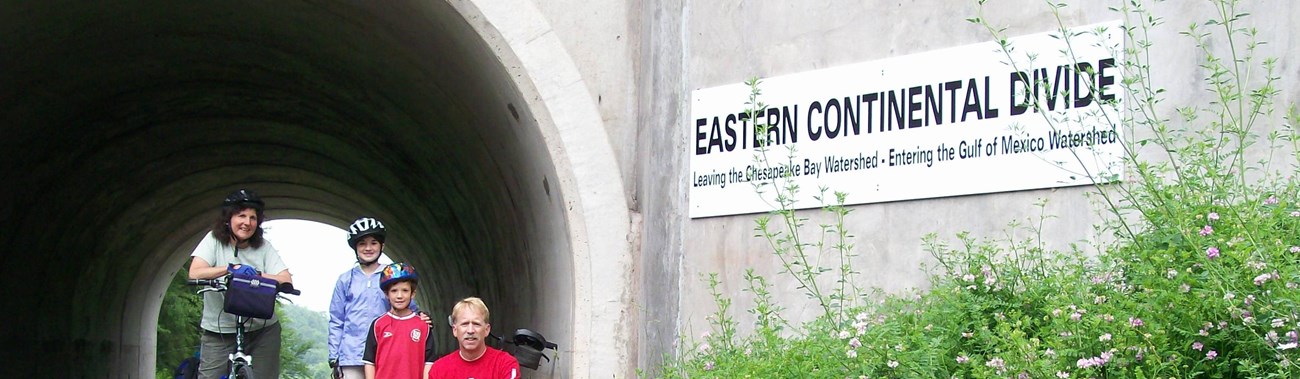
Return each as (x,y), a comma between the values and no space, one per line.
(525,337)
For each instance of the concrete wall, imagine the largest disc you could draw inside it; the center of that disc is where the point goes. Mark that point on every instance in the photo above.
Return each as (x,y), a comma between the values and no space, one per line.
(680,46)
(732,41)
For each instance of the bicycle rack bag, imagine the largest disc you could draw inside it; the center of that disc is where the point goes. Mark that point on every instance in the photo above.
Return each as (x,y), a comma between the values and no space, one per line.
(251,296)
(528,348)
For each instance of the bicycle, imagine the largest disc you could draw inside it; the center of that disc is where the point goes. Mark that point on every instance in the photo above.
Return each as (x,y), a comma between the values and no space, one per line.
(241,364)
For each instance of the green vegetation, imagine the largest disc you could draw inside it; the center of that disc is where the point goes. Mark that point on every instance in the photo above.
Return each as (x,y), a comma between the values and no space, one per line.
(309,332)
(1202,278)
(178,325)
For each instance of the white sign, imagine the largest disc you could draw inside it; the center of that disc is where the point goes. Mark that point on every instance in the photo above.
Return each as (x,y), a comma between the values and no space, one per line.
(950,122)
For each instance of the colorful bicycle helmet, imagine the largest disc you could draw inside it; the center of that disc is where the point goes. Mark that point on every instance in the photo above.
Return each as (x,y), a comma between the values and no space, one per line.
(244,198)
(396,272)
(365,226)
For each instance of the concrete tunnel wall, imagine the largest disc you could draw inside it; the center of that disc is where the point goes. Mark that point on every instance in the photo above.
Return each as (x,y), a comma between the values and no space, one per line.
(463,126)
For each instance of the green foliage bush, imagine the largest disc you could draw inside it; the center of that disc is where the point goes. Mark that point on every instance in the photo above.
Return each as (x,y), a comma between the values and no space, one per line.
(178,325)
(1201,279)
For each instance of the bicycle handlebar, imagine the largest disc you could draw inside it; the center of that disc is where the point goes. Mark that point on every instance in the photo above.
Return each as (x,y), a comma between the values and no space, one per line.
(219,284)
(205,282)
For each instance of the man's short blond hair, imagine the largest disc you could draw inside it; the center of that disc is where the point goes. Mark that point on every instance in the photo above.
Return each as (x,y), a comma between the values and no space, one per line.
(470,303)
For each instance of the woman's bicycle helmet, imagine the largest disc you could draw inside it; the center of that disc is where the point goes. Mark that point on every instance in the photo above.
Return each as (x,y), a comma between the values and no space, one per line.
(365,226)
(244,198)
(394,273)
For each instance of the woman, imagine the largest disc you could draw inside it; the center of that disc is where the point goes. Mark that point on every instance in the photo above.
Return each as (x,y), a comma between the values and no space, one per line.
(235,245)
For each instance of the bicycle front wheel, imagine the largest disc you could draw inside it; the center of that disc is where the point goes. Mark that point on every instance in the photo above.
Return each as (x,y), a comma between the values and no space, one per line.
(242,371)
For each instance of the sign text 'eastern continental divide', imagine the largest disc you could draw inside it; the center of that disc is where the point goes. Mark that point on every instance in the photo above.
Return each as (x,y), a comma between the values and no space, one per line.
(944,123)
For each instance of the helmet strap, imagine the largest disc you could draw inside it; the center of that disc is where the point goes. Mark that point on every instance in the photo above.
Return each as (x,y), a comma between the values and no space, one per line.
(371,263)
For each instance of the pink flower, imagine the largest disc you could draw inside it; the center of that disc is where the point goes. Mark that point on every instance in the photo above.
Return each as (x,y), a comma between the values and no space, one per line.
(1062,374)
(1259,280)
(1207,230)
(1135,322)
(1211,354)
(1212,252)
(996,363)
(1271,200)
(1295,249)
(1197,346)
(892,364)
(961,359)
(1213,216)
(1089,362)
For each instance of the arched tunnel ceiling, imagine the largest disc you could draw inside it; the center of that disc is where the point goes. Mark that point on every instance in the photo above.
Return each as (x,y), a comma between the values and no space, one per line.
(124,123)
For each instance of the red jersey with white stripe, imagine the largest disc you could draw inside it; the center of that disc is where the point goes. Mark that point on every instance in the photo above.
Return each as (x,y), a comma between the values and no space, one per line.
(494,364)
(398,347)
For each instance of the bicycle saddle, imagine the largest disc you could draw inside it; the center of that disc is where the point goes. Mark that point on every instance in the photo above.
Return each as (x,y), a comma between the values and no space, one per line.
(525,337)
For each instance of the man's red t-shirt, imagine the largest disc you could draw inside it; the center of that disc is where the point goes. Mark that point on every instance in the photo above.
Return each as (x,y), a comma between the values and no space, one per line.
(399,347)
(494,364)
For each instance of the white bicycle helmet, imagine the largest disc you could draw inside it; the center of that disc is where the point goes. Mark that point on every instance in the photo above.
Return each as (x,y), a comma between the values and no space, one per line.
(365,226)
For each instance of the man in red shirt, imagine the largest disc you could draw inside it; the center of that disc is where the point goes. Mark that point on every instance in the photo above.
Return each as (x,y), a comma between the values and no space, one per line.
(474,359)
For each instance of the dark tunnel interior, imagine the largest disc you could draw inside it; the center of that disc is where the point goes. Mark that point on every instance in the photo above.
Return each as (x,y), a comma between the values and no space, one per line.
(125,123)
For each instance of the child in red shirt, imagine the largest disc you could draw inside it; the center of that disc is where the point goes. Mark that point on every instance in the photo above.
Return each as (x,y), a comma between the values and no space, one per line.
(398,345)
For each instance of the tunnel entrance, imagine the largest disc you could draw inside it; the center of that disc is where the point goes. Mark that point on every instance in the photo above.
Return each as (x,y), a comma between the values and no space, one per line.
(318,255)
(125,124)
